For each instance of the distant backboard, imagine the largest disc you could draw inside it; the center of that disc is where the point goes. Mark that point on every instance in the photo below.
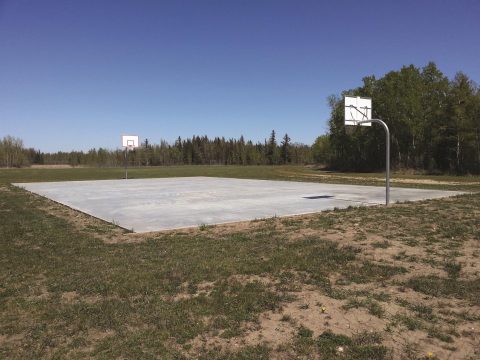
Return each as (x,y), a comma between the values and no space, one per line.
(358,109)
(130,141)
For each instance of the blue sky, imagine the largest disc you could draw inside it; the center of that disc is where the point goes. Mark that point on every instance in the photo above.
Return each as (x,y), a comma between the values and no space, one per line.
(78,74)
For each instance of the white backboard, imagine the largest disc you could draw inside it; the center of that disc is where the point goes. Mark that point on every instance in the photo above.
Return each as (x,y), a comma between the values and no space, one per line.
(130,141)
(357,109)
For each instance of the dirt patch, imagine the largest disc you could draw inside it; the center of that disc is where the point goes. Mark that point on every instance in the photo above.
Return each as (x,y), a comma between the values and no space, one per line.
(69,296)
(97,335)
(11,339)
(244,279)
(319,313)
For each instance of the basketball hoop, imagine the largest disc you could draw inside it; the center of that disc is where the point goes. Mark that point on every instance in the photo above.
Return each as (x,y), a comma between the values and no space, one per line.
(129,142)
(358,111)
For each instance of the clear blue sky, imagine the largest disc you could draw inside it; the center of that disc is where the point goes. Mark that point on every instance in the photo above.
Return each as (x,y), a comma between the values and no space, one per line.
(78,74)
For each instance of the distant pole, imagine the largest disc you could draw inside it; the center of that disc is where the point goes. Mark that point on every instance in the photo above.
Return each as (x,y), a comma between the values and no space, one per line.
(387,159)
(126,172)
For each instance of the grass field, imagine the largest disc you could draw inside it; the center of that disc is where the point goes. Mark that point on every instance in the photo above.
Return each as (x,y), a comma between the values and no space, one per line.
(295,173)
(361,283)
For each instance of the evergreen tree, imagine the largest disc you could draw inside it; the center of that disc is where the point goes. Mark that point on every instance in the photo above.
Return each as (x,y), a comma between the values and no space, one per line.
(271,148)
(285,149)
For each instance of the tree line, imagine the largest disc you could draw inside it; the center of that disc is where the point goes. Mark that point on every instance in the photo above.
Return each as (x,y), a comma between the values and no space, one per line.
(197,150)
(434,124)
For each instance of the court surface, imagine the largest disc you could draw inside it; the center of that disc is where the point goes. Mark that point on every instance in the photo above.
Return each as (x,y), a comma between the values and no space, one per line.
(144,205)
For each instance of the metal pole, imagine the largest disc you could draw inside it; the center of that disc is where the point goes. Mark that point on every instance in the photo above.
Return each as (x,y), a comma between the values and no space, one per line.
(126,173)
(387,159)
(387,166)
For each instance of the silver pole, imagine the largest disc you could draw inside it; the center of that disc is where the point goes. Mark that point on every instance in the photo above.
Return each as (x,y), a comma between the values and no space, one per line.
(387,159)
(126,163)
(387,165)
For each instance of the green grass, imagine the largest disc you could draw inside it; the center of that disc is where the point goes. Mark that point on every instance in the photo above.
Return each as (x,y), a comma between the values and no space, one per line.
(369,271)
(363,346)
(69,174)
(126,289)
(371,305)
(450,287)
(414,323)
(296,173)
(65,293)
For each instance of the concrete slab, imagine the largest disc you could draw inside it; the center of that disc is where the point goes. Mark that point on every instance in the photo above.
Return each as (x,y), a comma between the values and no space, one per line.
(169,203)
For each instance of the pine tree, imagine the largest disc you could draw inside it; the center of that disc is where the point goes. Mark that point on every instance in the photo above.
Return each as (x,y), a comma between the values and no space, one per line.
(271,149)
(285,149)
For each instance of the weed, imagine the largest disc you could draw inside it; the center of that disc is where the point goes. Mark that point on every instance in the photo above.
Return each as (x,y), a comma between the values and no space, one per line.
(411,351)
(367,338)
(372,306)
(423,311)
(438,334)
(230,333)
(381,296)
(381,244)
(453,269)
(409,322)
(328,343)
(305,332)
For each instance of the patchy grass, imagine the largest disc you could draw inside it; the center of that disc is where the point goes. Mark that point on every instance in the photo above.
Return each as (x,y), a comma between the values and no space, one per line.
(450,287)
(359,283)
(369,271)
(371,305)
(334,346)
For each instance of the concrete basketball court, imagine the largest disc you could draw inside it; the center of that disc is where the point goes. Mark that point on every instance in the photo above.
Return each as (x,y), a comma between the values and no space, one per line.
(170,203)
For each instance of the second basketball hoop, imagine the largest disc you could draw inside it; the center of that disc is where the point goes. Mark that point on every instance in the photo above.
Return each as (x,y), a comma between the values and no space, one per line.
(129,142)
